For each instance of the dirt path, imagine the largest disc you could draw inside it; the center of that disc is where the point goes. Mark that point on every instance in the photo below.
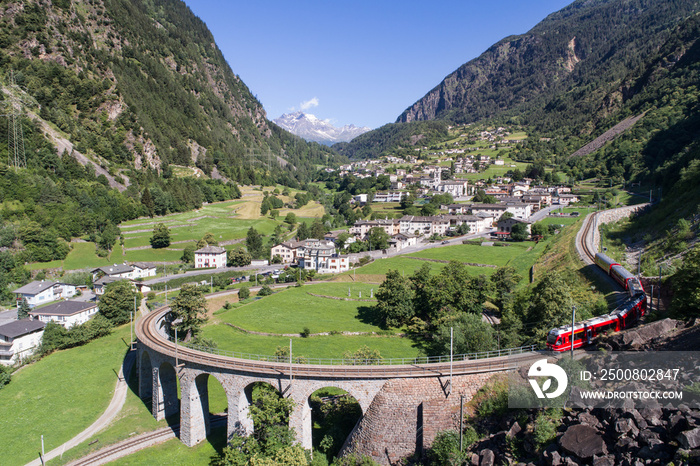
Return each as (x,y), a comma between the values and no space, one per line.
(112,410)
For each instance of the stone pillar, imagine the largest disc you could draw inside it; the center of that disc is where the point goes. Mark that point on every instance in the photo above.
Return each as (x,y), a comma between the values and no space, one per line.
(194,411)
(165,402)
(238,404)
(300,420)
(145,371)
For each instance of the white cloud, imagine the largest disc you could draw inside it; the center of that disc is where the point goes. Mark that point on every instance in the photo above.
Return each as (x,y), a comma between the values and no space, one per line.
(309,104)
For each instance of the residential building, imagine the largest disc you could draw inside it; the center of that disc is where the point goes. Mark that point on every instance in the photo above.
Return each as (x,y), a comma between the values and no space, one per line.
(210,256)
(287,251)
(116,270)
(566,199)
(44,291)
(65,313)
(19,340)
(100,285)
(402,240)
(361,228)
(321,256)
(505,226)
(456,188)
(391,196)
(143,270)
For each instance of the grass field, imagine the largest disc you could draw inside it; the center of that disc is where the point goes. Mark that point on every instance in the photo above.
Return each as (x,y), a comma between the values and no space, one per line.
(492,255)
(135,418)
(58,396)
(331,346)
(291,310)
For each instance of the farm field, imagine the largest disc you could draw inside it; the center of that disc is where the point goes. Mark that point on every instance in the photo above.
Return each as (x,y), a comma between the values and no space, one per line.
(77,384)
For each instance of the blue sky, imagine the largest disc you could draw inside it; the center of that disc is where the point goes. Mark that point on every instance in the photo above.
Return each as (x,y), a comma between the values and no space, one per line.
(360,62)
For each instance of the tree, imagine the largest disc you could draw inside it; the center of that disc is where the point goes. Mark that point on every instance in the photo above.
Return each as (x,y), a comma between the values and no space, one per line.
(243,293)
(470,335)
(395,300)
(254,243)
(147,202)
(265,291)
(118,301)
(539,229)
(291,218)
(519,232)
(550,304)
(318,230)
(686,286)
(188,254)
(161,237)
(504,280)
(190,308)
(23,310)
(210,240)
(378,238)
(303,231)
(238,257)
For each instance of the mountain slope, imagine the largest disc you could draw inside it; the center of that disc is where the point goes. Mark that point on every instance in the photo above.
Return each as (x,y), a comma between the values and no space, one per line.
(572,58)
(309,127)
(142,84)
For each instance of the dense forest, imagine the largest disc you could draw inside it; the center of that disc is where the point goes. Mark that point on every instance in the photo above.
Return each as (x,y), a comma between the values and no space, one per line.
(142,84)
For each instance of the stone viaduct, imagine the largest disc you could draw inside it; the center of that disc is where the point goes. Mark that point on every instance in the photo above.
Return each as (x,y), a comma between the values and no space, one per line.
(403,406)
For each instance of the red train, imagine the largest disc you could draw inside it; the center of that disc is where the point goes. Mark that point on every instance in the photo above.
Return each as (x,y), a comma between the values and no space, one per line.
(559,339)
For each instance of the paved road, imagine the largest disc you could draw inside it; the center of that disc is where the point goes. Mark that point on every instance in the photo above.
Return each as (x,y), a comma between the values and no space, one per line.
(8,316)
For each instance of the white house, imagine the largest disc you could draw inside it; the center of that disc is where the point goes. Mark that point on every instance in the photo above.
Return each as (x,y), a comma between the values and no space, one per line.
(143,270)
(65,313)
(391,196)
(402,241)
(19,340)
(116,270)
(44,291)
(210,256)
(456,188)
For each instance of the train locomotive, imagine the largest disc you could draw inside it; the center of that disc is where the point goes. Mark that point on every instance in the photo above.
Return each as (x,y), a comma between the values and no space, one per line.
(626,315)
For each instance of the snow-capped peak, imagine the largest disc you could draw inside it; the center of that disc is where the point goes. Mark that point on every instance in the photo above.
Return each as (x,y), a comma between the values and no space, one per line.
(313,128)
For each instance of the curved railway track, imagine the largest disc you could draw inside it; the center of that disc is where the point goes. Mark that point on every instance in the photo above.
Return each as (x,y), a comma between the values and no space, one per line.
(586,239)
(147,335)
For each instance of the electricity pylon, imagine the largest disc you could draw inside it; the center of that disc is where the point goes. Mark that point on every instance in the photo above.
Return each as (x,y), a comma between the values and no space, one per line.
(15,136)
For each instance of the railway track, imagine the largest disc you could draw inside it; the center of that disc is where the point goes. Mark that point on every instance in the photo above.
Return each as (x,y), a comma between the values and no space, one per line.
(586,239)
(148,336)
(129,446)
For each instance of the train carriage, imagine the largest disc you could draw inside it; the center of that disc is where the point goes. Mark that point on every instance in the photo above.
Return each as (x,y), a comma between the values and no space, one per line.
(559,339)
(605,262)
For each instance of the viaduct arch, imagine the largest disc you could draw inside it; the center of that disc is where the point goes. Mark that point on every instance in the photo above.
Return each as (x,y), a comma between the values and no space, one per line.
(403,406)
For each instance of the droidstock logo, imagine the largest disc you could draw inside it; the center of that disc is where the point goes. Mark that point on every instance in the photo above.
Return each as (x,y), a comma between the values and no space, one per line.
(542,368)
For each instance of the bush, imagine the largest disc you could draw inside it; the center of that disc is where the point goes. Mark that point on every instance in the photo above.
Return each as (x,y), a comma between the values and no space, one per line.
(5,375)
(56,337)
(265,291)
(305,333)
(243,293)
(445,449)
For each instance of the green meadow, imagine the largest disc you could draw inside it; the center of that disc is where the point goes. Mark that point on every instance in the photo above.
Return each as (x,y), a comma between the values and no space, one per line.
(59,396)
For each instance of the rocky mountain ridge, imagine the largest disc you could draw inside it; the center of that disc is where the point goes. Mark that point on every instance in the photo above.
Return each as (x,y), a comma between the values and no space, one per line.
(580,52)
(308,127)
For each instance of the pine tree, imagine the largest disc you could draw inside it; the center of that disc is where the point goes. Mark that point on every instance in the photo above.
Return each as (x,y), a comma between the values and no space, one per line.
(23,311)
(147,201)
